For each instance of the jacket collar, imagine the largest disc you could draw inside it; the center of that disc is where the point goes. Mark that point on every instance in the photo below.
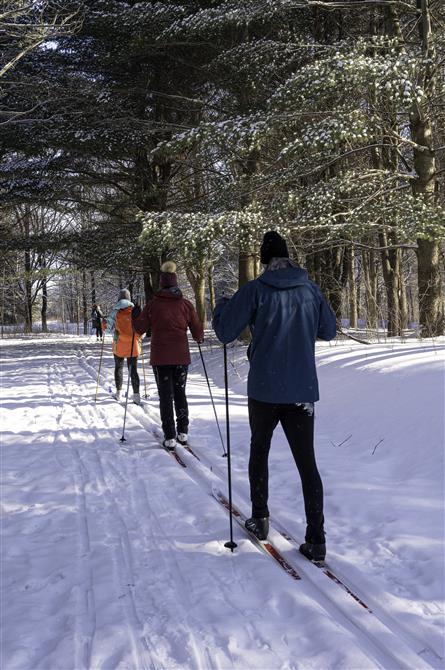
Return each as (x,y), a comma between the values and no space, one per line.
(172,292)
(123,304)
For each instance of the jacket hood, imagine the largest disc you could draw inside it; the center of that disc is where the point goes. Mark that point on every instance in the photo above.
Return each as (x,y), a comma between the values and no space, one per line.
(172,292)
(284,279)
(123,304)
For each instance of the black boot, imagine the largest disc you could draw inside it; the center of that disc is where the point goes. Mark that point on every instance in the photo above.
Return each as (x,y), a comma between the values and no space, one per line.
(314,552)
(259,526)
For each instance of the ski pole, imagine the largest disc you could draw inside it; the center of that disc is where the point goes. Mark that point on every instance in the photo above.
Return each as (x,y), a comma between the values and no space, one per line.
(130,370)
(211,397)
(143,371)
(100,365)
(230,544)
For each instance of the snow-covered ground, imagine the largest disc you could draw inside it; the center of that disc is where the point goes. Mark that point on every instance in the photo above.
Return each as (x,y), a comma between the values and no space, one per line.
(113,554)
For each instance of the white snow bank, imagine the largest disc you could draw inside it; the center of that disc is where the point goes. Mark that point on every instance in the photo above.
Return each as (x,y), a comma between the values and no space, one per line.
(113,556)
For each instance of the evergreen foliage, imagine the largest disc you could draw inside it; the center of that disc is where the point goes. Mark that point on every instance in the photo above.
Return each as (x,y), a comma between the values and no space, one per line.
(164,128)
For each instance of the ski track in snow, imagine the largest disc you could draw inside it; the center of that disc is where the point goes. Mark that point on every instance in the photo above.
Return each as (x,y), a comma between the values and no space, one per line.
(115,547)
(202,660)
(137,573)
(391,624)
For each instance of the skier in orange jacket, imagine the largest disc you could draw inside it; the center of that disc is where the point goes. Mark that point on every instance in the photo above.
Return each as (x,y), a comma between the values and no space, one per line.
(124,335)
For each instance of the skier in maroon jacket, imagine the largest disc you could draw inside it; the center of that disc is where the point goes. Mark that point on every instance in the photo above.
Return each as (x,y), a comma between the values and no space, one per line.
(168,316)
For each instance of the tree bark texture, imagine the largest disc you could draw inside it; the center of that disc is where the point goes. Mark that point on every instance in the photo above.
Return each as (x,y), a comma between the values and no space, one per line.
(431,300)
(352,285)
(211,285)
(44,311)
(197,279)
(370,280)
(28,282)
(84,302)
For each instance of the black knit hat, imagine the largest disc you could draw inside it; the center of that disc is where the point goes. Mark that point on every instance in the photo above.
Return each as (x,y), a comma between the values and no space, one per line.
(273,246)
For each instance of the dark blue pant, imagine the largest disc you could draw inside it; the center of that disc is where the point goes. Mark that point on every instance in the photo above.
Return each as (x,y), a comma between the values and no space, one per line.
(171,381)
(298,426)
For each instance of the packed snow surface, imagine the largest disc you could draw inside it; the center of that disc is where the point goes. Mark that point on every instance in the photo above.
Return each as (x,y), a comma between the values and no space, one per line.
(113,554)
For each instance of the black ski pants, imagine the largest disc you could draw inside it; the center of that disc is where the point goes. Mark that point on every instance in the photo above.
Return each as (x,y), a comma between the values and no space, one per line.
(132,365)
(171,381)
(298,425)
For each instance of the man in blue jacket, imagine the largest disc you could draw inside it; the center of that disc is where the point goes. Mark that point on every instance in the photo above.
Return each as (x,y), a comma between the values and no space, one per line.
(286,313)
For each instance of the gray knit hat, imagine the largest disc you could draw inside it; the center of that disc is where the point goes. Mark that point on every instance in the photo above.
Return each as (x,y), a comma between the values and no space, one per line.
(124,294)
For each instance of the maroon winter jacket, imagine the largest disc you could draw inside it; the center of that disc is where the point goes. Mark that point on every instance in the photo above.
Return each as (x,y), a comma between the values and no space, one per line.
(168,315)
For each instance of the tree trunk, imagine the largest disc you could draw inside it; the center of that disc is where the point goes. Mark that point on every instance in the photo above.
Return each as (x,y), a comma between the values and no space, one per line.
(130,286)
(246,267)
(326,269)
(370,281)
(391,271)
(63,318)
(3,299)
(247,249)
(150,274)
(84,303)
(246,272)
(403,298)
(257,266)
(431,302)
(28,293)
(93,288)
(200,299)
(317,271)
(430,289)
(15,319)
(148,286)
(352,284)
(211,285)
(197,279)
(332,277)
(44,298)
(77,302)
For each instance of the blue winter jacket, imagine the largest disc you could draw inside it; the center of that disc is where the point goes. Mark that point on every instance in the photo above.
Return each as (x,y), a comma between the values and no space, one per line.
(286,313)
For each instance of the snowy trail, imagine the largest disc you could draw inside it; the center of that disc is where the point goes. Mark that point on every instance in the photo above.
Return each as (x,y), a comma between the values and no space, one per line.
(390,395)
(381,652)
(122,552)
(111,535)
(362,598)
(385,637)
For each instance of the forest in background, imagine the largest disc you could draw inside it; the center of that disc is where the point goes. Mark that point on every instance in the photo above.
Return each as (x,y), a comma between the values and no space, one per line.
(132,132)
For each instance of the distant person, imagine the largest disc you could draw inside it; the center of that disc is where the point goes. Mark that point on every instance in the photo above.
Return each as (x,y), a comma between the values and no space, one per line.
(120,320)
(167,317)
(96,321)
(286,313)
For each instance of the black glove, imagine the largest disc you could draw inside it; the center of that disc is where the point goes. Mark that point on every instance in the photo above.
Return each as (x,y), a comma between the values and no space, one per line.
(135,311)
(200,341)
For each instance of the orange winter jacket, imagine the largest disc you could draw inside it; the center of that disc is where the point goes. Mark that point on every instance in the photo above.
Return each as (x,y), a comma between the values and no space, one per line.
(123,334)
